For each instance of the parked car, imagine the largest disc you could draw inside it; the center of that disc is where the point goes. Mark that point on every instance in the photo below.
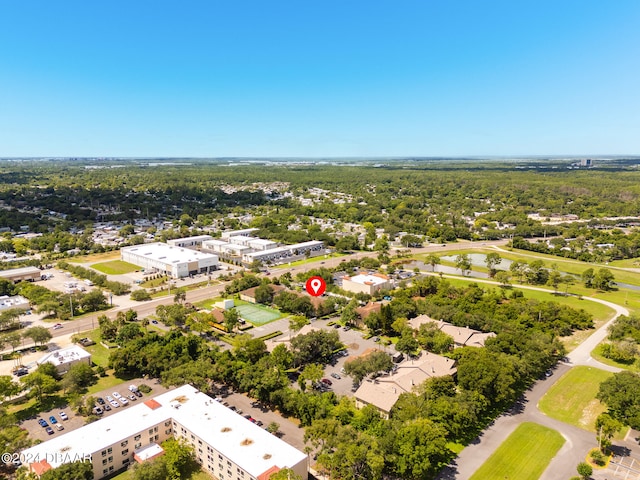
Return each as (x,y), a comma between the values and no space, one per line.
(133,388)
(123,400)
(116,395)
(59,426)
(326,381)
(114,404)
(97,410)
(106,407)
(100,400)
(53,420)
(336,376)
(43,423)
(57,326)
(133,398)
(109,398)
(49,430)
(63,416)
(138,393)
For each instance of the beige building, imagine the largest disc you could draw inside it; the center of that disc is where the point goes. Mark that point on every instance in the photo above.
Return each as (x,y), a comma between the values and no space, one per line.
(177,262)
(227,446)
(65,357)
(462,336)
(383,392)
(15,275)
(366,283)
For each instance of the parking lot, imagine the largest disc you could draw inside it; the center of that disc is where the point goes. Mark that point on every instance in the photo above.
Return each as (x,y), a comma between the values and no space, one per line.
(38,432)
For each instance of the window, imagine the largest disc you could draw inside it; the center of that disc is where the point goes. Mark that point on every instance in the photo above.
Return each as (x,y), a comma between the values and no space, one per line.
(192,437)
(109,450)
(228,463)
(151,431)
(166,424)
(104,453)
(229,473)
(155,429)
(137,437)
(125,461)
(137,445)
(220,466)
(125,451)
(150,439)
(199,442)
(104,462)
(219,457)
(111,468)
(167,431)
(110,459)
(105,471)
(124,444)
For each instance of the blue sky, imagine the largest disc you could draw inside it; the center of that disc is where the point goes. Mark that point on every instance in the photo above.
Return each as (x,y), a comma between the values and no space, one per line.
(319,78)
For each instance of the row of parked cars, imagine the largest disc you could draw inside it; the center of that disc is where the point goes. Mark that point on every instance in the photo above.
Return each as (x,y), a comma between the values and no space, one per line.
(116,400)
(54,421)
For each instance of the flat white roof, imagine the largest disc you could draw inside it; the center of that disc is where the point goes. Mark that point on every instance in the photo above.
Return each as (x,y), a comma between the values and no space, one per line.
(367,279)
(65,355)
(252,448)
(215,242)
(261,241)
(13,302)
(233,233)
(196,238)
(166,253)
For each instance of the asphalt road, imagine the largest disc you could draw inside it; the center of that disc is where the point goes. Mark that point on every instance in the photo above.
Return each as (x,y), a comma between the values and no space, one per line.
(577,441)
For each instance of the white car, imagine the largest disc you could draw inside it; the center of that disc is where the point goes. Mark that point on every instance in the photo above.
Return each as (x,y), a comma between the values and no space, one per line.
(114,404)
(123,401)
(63,416)
(109,398)
(57,326)
(116,395)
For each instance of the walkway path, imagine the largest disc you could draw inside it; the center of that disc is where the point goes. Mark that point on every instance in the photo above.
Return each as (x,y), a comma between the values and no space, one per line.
(577,441)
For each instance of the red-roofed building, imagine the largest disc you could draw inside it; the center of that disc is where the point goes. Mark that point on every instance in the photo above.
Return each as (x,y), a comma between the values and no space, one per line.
(266,475)
(40,467)
(152,404)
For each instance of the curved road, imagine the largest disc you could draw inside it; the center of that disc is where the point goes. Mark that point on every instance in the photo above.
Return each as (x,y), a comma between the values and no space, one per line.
(577,441)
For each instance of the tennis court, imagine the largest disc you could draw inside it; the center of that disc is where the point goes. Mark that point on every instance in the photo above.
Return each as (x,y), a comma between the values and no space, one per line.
(257,314)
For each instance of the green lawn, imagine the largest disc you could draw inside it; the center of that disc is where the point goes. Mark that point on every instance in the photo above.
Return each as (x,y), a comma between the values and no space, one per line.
(600,312)
(572,399)
(310,260)
(115,267)
(565,265)
(596,353)
(199,475)
(524,455)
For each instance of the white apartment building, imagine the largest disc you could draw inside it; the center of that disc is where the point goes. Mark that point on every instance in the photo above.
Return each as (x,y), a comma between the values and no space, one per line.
(227,445)
(176,262)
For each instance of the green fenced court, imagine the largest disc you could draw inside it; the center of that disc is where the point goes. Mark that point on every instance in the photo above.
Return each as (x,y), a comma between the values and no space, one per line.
(257,314)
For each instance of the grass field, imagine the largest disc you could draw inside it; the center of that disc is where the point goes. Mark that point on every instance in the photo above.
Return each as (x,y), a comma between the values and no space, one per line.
(115,267)
(257,314)
(596,353)
(310,260)
(572,399)
(524,455)
(96,257)
(566,265)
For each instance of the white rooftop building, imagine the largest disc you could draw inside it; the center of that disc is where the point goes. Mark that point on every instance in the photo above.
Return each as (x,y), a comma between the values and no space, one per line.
(189,242)
(281,253)
(366,283)
(176,262)
(227,445)
(65,357)
(234,233)
(18,301)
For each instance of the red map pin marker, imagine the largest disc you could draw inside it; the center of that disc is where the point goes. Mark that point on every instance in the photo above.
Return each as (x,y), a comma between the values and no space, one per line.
(316,286)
